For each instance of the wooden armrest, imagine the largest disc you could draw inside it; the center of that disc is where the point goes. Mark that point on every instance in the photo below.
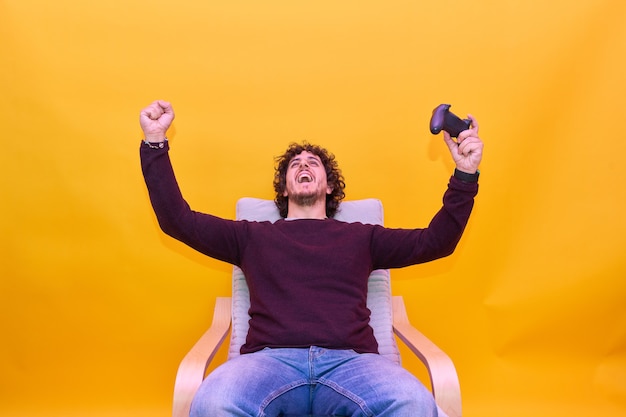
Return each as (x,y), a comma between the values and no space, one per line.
(193,367)
(443,376)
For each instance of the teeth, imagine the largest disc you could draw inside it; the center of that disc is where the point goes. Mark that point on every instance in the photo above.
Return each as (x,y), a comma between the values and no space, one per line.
(304,178)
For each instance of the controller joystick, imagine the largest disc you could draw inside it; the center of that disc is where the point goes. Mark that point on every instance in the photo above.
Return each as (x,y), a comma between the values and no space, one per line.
(444,119)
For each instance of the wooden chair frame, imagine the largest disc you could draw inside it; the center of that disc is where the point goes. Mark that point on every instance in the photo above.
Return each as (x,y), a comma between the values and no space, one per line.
(443,377)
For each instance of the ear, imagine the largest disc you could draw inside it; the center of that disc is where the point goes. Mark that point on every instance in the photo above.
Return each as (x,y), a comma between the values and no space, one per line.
(329,189)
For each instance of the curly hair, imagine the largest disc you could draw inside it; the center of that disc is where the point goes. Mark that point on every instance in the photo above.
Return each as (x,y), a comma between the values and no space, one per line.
(333,173)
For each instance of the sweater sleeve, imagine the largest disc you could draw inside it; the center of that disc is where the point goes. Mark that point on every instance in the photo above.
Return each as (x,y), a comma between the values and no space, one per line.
(210,235)
(395,248)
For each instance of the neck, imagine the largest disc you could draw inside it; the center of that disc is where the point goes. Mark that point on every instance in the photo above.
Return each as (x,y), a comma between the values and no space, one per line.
(314,211)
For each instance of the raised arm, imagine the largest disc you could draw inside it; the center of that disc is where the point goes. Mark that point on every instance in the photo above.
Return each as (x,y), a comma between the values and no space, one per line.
(208,234)
(394,248)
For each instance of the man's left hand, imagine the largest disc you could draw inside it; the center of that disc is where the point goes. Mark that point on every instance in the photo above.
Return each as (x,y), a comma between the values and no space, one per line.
(467,150)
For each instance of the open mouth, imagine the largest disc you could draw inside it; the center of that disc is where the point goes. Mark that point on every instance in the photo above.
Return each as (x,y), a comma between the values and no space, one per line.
(304,177)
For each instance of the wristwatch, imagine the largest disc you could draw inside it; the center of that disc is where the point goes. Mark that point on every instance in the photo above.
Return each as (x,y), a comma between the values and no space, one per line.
(155,145)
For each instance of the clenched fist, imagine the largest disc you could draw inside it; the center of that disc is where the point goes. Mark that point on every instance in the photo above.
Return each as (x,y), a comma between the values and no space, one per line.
(155,120)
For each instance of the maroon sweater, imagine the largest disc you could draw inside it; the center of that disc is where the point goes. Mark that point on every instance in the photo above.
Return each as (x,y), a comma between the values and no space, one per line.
(307,278)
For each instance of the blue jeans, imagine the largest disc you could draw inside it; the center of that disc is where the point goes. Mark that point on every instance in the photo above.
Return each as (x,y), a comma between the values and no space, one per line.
(312,382)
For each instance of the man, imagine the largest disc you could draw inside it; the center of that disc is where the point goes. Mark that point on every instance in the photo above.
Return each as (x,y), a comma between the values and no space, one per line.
(310,349)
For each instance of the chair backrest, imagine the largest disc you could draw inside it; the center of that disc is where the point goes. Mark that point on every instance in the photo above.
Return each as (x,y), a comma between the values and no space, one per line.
(369,211)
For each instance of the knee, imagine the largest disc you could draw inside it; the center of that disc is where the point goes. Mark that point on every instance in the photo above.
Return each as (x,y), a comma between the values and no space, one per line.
(215,398)
(414,399)
(208,402)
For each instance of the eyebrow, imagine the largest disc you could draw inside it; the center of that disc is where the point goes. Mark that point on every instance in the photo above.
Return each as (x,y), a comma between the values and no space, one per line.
(309,158)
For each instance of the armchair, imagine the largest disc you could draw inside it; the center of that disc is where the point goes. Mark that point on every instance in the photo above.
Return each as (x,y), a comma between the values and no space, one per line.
(388,317)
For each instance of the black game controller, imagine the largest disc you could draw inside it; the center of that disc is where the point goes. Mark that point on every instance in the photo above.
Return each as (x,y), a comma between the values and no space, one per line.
(444,119)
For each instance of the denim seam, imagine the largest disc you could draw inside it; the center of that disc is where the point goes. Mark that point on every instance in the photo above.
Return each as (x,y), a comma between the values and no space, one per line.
(348,394)
(277,393)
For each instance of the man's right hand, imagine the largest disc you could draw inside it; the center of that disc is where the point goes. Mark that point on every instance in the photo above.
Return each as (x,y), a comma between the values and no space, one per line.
(155,120)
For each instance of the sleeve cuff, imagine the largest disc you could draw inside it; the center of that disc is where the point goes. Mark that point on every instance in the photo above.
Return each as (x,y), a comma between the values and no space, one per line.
(465,177)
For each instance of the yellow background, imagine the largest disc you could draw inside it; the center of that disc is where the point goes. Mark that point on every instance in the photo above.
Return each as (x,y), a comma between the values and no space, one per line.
(97,307)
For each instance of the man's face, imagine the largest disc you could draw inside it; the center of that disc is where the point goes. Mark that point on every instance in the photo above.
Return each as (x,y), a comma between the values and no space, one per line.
(306,180)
